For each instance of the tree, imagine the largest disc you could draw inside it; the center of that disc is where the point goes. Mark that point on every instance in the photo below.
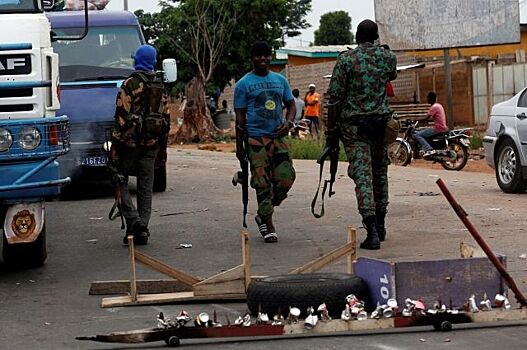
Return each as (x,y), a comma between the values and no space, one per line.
(334,29)
(211,41)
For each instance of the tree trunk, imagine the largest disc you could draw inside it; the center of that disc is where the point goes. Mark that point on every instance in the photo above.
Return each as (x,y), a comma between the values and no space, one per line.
(197,122)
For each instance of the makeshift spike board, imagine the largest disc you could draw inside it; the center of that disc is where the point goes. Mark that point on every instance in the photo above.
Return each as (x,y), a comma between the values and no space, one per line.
(440,322)
(228,285)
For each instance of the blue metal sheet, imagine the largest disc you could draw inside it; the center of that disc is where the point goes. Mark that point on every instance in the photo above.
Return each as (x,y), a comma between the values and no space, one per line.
(378,275)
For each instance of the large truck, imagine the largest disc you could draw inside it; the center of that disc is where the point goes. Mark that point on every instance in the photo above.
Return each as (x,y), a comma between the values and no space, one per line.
(91,72)
(32,135)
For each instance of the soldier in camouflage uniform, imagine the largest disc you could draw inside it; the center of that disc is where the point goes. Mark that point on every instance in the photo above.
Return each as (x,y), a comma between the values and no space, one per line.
(359,82)
(260,125)
(135,144)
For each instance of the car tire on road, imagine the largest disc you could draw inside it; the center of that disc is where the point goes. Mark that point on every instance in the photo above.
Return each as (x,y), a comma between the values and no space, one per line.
(277,293)
(508,168)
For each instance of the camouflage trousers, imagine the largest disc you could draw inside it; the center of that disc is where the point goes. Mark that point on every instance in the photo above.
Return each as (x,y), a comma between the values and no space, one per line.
(272,172)
(368,167)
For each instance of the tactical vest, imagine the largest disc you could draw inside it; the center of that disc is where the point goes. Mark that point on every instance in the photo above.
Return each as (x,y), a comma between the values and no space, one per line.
(154,124)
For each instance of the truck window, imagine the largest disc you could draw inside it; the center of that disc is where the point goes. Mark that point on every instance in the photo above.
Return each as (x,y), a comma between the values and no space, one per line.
(19,6)
(105,54)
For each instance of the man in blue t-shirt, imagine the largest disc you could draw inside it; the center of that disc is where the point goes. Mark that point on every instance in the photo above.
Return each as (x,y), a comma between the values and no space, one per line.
(259,99)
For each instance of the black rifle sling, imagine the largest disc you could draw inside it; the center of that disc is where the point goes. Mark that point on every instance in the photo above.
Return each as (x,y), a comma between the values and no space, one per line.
(314,202)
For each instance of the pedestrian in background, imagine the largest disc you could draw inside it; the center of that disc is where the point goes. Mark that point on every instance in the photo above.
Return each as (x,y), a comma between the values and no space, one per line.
(312,101)
(359,83)
(260,134)
(141,127)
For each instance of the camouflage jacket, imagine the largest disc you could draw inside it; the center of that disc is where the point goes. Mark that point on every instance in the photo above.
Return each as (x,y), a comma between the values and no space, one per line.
(128,115)
(359,81)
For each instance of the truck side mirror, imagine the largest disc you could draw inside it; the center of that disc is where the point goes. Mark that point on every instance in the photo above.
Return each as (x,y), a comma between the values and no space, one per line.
(169,70)
(48,5)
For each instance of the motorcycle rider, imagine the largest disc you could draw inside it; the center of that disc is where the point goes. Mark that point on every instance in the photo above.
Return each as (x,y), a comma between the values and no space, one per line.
(437,114)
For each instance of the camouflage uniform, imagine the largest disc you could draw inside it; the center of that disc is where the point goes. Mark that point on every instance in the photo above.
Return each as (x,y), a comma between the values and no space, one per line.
(136,154)
(272,172)
(359,82)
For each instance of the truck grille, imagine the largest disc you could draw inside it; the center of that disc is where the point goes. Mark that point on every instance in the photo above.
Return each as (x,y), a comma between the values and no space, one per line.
(16,93)
(16,108)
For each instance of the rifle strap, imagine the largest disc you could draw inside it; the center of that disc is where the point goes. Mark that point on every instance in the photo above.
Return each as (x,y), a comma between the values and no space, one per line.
(314,201)
(115,212)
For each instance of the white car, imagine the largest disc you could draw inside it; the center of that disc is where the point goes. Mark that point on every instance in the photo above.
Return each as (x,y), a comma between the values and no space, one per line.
(505,143)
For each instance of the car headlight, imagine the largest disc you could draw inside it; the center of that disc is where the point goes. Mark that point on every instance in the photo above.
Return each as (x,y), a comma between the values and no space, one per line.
(29,138)
(6,139)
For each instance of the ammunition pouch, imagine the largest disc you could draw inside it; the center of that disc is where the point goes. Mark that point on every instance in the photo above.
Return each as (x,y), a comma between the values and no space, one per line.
(393,126)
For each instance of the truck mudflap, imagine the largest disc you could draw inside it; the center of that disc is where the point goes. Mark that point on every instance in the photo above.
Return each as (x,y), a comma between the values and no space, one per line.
(23,222)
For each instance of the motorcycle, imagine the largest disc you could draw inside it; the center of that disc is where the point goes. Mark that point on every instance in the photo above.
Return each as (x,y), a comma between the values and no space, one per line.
(451,147)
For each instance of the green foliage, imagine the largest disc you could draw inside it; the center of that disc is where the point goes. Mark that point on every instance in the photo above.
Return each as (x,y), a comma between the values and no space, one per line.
(173,31)
(476,140)
(334,29)
(310,148)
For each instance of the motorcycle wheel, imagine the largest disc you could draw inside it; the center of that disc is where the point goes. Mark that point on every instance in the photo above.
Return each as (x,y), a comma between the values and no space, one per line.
(461,153)
(398,153)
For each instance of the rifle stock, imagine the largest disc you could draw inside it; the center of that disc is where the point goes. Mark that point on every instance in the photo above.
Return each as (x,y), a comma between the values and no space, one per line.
(242,177)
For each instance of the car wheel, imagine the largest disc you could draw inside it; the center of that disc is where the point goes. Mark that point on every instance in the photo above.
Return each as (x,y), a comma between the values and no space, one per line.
(508,168)
(160,179)
(25,255)
(277,293)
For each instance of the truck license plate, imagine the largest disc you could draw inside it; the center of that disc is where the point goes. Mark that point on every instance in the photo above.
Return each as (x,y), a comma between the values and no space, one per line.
(95,161)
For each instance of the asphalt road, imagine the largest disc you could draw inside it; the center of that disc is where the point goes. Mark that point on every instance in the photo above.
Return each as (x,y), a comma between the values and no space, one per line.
(46,308)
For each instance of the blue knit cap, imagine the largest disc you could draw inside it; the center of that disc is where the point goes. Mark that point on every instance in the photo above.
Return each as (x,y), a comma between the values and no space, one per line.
(145,58)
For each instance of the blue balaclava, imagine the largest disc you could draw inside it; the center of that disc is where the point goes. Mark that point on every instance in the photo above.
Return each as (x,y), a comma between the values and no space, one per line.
(145,58)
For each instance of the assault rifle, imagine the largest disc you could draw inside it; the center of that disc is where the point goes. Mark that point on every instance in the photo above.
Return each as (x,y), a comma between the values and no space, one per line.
(242,177)
(332,151)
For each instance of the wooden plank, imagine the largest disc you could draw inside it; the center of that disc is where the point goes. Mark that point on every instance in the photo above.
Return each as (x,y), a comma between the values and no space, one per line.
(143,287)
(500,315)
(228,287)
(166,269)
(246,258)
(331,257)
(133,286)
(164,298)
(220,283)
(352,238)
(339,326)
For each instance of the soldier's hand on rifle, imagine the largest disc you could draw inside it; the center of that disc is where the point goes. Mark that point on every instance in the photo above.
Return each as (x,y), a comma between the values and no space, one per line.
(283,130)
(113,152)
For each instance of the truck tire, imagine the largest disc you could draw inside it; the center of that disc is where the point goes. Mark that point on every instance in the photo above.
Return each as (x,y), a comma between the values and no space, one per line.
(25,255)
(160,179)
(277,293)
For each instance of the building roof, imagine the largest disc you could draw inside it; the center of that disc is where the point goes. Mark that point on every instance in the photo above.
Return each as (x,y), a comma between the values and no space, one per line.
(315,51)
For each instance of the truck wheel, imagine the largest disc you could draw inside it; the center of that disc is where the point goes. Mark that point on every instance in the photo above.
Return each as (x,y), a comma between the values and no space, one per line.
(160,179)
(508,168)
(173,341)
(26,255)
(278,293)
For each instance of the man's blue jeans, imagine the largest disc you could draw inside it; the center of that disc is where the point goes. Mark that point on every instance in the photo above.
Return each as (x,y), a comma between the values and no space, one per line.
(421,135)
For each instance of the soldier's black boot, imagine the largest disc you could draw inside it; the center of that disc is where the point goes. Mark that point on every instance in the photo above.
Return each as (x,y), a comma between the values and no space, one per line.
(372,238)
(380,215)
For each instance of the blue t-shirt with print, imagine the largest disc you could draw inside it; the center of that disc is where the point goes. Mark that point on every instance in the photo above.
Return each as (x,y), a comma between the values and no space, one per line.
(263,97)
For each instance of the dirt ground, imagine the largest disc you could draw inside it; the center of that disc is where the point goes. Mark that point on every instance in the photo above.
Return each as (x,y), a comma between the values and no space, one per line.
(476,162)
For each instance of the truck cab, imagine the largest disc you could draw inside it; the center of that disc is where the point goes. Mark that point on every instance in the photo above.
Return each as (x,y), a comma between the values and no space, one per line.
(32,134)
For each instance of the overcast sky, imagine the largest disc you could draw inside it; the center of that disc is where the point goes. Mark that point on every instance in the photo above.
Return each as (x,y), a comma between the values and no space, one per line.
(357,9)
